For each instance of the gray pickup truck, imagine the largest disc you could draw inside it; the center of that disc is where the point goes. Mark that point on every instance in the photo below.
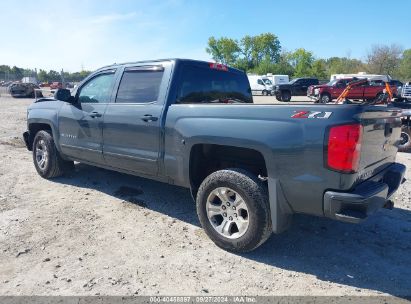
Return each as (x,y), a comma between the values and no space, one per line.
(249,167)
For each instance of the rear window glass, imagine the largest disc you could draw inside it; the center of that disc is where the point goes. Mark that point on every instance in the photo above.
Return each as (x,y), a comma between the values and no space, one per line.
(139,86)
(207,85)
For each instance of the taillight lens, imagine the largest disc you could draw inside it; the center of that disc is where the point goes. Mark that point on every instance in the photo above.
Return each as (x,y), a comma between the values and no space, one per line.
(344,148)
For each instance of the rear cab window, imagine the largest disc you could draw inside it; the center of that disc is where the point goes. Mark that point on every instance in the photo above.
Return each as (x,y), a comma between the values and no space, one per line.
(140,84)
(202,83)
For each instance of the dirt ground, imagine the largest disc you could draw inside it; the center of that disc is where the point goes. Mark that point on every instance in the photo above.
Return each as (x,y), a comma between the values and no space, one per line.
(101,232)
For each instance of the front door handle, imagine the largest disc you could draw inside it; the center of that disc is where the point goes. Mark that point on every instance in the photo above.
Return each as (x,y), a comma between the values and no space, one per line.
(149,118)
(95,114)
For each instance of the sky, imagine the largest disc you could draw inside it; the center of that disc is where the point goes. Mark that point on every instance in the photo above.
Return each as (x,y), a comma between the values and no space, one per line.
(87,34)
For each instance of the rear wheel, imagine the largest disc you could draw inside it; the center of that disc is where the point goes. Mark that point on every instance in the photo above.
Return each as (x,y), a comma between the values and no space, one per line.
(285,96)
(46,158)
(233,209)
(405,139)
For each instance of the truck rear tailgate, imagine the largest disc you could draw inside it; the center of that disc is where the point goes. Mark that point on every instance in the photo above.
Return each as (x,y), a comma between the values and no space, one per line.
(381,132)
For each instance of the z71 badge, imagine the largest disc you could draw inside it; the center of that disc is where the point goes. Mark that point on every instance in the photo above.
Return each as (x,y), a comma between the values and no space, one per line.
(311,114)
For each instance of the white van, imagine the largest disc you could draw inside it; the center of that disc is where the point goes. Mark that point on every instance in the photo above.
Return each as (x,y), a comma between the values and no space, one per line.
(278,79)
(260,84)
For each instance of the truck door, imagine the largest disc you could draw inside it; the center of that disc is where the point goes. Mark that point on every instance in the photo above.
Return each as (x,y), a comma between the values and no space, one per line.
(338,88)
(301,87)
(357,92)
(80,125)
(132,123)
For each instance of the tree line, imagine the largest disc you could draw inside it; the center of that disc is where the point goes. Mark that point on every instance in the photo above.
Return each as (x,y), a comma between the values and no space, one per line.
(262,54)
(8,73)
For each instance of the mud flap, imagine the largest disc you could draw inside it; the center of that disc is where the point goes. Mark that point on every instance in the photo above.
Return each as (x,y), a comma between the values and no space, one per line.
(281,212)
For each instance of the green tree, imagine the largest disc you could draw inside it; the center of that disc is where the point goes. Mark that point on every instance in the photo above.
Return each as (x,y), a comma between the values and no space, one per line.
(247,54)
(54,76)
(319,69)
(384,59)
(302,61)
(265,48)
(404,70)
(224,50)
(43,76)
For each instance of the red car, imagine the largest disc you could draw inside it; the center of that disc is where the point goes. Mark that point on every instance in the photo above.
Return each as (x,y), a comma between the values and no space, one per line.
(56,85)
(327,92)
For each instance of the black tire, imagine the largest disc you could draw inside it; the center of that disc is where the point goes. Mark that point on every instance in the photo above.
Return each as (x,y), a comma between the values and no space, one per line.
(54,165)
(263,92)
(278,98)
(325,98)
(254,194)
(405,141)
(379,97)
(285,96)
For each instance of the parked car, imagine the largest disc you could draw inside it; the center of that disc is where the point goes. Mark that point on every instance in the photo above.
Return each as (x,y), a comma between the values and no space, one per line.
(44,84)
(296,87)
(194,124)
(56,85)
(260,84)
(23,90)
(373,89)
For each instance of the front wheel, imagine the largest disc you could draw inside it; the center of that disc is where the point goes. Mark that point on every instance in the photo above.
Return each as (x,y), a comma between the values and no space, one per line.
(325,98)
(233,209)
(46,158)
(285,96)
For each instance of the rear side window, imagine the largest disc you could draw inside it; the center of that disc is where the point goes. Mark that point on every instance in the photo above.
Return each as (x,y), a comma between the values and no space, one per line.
(206,85)
(139,85)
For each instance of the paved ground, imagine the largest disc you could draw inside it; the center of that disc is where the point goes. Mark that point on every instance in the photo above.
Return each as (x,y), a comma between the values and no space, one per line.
(86,235)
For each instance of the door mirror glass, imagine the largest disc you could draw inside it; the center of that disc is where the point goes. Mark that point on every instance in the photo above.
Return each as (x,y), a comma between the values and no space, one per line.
(64,95)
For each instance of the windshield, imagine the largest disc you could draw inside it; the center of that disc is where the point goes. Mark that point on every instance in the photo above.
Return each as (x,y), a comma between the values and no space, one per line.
(267,81)
(332,82)
(294,80)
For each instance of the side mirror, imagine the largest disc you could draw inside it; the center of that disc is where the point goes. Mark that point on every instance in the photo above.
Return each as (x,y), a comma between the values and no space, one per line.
(64,95)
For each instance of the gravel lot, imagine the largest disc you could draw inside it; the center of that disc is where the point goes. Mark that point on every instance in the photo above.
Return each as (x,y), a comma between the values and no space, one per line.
(101,232)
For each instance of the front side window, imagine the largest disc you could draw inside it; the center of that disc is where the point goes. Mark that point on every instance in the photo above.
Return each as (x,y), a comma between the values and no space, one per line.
(139,86)
(97,90)
(206,85)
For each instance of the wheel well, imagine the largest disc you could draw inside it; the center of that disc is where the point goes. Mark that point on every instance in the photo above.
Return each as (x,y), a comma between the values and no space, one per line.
(33,129)
(207,158)
(286,91)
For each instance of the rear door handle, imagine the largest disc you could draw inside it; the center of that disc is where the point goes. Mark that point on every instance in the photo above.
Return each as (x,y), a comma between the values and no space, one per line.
(95,114)
(149,118)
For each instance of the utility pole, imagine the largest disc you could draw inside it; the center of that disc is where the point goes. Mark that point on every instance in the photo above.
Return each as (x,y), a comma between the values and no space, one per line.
(63,82)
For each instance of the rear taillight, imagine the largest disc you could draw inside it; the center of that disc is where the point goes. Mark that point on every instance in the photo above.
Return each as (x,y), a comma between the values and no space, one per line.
(344,147)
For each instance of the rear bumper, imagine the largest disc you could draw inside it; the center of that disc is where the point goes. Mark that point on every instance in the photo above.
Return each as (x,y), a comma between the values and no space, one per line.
(357,205)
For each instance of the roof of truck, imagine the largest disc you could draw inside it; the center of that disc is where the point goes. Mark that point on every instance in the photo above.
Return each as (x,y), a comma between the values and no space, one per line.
(161,60)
